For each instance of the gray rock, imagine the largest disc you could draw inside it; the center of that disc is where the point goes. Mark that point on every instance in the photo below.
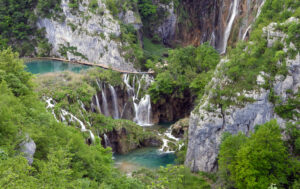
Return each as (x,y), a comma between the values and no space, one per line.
(91,36)
(167,29)
(28,147)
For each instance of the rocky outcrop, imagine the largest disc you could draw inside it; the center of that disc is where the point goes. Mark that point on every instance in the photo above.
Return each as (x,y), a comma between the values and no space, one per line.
(86,36)
(206,126)
(28,148)
(172,108)
(180,128)
(166,30)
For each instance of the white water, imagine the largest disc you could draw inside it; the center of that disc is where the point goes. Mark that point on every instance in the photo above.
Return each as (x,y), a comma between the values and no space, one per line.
(234,11)
(63,115)
(73,118)
(98,104)
(104,102)
(106,141)
(50,105)
(115,102)
(166,139)
(142,107)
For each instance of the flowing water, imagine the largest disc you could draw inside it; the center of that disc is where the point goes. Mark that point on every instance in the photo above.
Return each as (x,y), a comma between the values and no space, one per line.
(46,66)
(115,102)
(234,11)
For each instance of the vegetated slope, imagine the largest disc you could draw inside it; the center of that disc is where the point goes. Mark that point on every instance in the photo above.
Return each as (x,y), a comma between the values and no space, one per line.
(256,82)
(61,159)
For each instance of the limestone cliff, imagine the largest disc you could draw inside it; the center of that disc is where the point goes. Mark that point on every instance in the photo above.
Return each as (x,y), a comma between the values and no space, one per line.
(207,126)
(194,22)
(86,36)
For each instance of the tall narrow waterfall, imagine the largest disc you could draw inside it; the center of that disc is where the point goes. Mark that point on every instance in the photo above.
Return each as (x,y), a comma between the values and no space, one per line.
(115,102)
(104,102)
(143,111)
(234,11)
(106,141)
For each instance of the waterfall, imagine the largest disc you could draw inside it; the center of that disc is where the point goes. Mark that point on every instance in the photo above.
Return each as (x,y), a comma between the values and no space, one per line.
(166,139)
(98,104)
(106,141)
(115,102)
(245,34)
(73,118)
(104,102)
(143,111)
(234,10)
(257,15)
(65,113)
(142,107)
(50,105)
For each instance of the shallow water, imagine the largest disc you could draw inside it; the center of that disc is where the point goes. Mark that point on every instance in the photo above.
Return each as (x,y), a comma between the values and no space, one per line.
(48,66)
(144,157)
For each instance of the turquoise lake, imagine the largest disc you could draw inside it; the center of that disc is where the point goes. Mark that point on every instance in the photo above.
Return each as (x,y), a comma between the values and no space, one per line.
(48,66)
(143,157)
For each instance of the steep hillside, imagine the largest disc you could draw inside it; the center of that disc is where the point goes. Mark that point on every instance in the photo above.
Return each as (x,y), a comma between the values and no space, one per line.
(255,83)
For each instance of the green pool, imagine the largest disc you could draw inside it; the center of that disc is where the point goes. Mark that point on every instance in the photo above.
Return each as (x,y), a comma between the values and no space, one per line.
(47,66)
(144,157)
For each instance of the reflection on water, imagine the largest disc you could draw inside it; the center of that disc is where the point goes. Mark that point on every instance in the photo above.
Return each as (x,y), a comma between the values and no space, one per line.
(46,66)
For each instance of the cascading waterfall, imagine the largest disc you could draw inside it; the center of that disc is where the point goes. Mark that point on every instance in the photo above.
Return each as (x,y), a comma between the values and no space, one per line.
(51,104)
(234,10)
(142,107)
(143,114)
(115,102)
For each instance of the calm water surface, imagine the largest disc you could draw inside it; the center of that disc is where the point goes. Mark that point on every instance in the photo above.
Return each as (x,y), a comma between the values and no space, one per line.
(48,66)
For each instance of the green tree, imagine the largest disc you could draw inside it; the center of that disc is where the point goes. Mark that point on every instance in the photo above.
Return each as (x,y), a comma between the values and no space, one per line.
(262,160)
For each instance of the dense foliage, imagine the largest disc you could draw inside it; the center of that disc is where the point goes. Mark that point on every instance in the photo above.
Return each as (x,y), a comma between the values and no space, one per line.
(62,158)
(172,177)
(188,68)
(258,161)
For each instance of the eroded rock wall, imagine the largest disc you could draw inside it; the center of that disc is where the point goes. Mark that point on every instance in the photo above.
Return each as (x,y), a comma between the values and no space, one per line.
(90,33)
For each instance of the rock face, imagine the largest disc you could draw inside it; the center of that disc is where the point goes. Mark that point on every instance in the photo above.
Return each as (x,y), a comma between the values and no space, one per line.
(28,147)
(172,108)
(206,126)
(198,21)
(90,33)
